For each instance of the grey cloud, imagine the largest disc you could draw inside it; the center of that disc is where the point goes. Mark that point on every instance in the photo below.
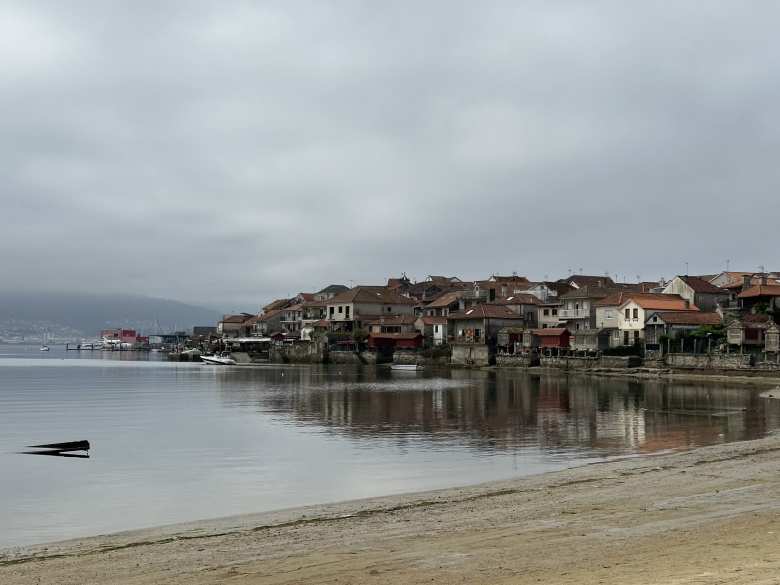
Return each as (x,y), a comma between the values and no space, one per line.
(226,153)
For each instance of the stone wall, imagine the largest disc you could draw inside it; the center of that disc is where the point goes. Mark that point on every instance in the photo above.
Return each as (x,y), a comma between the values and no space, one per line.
(586,363)
(402,356)
(517,361)
(299,353)
(470,355)
(351,357)
(732,361)
(620,361)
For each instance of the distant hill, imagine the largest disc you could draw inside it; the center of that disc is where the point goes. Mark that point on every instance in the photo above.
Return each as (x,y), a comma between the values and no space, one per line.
(89,313)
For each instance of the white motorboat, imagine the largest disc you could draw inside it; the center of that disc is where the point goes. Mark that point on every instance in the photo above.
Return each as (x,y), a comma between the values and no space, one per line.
(44,348)
(222,359)
(406,367)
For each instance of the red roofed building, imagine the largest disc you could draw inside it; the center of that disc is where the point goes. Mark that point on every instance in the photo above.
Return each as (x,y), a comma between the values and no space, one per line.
(697,291)
(633,311)
(552,337)
(673,323)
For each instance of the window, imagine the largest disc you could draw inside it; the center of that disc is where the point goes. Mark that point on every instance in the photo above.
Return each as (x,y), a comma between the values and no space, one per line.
(477,333)
(628,313)
(389,309)
(636,336)
(555,312)
(331,311)
(547,312)
(347,312)
(341,309)
(625,335)
(435,328)
(636,313)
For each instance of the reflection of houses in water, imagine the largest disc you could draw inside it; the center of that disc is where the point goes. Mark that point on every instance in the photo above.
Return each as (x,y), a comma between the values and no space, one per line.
(503,410)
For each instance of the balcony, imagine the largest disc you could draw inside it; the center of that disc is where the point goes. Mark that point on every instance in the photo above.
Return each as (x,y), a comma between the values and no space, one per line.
(573,313)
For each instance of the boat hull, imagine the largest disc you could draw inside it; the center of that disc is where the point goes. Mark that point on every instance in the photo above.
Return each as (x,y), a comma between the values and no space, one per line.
(217,361)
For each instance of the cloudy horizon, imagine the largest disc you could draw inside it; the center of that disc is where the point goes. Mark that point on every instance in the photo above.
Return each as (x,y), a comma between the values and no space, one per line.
(229,153)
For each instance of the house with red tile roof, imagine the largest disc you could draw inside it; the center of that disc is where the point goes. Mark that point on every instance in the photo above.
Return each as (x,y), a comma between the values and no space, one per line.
(697,291)
(673,323)
(355,308)
(633,311)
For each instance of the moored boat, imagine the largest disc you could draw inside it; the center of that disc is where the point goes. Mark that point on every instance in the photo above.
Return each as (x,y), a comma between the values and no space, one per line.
(222,359)
(406,367)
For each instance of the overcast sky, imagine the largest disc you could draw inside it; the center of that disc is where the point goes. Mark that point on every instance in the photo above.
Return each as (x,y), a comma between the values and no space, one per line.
(228,152)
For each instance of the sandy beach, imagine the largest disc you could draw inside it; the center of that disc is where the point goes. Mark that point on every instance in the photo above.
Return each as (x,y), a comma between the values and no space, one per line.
(711,515)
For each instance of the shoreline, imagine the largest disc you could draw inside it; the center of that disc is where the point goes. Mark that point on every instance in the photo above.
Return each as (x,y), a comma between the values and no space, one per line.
(720,499)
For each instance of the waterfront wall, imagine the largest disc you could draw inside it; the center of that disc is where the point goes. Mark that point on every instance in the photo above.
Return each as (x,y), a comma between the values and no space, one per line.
(352,357)
(470,355)
(734,361)
(517,360)
(298,353)
(569,362)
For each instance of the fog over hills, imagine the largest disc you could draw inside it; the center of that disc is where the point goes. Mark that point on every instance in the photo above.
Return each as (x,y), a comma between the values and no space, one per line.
(70,314)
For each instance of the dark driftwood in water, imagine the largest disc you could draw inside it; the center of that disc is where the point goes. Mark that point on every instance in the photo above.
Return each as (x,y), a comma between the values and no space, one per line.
(69,446)
(56,453)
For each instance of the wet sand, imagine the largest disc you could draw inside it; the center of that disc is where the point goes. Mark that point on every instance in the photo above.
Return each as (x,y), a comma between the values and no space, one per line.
(711,515)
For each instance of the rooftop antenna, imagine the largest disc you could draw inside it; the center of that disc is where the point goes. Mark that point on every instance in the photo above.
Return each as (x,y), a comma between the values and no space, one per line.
(580,269)
(639,278)
(686,268)
(728,262)
(569,270)
(762,268)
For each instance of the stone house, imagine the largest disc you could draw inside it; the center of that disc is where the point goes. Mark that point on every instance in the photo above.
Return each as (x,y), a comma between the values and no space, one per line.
(547,315)
(434,329)
(443,305)
(238,325)
(697,291)
(523,304)
(474,332)
(578,309)
(354,308)
(329,292)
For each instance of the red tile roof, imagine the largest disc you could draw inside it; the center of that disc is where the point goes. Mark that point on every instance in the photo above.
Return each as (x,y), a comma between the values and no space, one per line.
(519,299)
(371,294)
(659,302)
(549,332)
(243,317)
(486,311)
(445,300)
(434,320)
(699,285)
(760,290)
(688,317)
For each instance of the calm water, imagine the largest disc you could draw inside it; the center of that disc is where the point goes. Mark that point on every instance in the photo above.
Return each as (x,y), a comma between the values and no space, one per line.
(174,442)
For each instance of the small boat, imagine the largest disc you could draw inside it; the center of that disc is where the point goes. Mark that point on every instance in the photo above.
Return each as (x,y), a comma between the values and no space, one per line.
(222,359)
(44,348)
(406,367)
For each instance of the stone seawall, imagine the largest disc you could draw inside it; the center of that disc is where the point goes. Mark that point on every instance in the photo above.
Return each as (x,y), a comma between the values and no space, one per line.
(470,355)
(588,363)
(516,361)
(734,361)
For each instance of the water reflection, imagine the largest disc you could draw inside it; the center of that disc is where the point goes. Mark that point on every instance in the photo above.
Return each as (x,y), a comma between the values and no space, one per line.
(505,410)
